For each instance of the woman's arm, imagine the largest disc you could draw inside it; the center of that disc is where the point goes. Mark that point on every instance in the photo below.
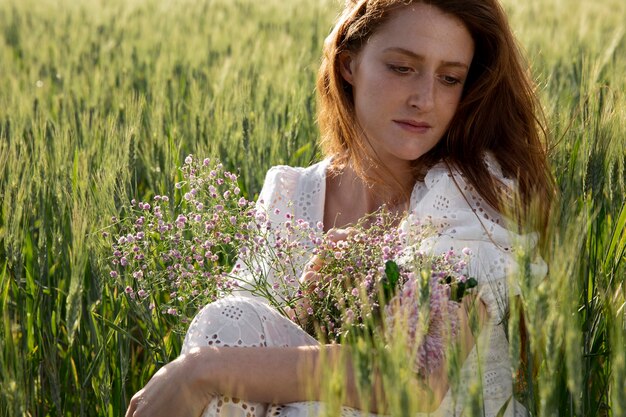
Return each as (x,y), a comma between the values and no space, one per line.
(274,375)
(269,375)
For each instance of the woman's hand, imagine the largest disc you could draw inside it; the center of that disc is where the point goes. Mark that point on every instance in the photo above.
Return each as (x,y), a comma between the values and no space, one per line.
(311,277)
(174,390)
(309,280)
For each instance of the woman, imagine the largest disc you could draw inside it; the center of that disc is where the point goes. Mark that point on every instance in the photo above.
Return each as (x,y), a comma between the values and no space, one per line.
(427,108)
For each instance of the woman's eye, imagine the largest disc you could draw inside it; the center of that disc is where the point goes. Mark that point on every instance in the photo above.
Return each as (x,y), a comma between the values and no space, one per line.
(449,80)
(400,69)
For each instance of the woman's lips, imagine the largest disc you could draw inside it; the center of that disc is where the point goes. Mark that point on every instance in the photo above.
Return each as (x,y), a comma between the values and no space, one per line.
(413,126)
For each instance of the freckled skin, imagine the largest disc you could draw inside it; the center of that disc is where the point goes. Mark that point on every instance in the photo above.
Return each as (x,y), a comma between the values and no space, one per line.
(412,69)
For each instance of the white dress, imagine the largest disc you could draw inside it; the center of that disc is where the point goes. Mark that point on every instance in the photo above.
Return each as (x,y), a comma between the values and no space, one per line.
(462,219)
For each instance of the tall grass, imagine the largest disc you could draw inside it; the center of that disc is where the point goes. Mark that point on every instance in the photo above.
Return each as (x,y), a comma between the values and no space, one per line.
(100,101)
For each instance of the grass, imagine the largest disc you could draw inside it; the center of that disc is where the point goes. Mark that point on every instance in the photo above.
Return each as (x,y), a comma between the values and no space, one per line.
(100,101)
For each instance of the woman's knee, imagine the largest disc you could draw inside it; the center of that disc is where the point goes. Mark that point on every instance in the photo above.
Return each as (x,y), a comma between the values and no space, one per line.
(230,321)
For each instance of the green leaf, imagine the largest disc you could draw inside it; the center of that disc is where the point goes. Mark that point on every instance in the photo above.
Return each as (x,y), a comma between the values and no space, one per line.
(617,245)
(392,273)
(503,408)
(457,291)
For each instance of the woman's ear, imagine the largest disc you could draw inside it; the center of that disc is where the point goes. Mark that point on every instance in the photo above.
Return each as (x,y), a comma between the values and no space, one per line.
(346,66)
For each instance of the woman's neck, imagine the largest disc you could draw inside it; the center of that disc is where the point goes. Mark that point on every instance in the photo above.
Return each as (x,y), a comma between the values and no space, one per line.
(349,198)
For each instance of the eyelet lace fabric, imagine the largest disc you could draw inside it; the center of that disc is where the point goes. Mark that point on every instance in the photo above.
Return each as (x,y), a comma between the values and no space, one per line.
(239,321)
(445,202)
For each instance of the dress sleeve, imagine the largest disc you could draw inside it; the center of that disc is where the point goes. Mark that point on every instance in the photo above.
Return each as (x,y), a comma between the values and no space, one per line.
(458,218)
(274,203)
(277,195)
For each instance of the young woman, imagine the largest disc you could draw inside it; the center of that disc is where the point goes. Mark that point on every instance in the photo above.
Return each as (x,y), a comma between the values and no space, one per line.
(426,107)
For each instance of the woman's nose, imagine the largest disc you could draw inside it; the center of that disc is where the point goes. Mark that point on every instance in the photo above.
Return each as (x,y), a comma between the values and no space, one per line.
(422,94)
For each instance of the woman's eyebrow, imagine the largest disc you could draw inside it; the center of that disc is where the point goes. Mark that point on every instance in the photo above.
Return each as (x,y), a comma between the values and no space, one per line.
(421,57)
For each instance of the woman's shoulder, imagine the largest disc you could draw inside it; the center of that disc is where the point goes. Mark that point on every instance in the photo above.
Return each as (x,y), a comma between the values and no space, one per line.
(444,180)
(289,180)
(455,216)
(298,189)
(289,175)
(443,171)
(449,201)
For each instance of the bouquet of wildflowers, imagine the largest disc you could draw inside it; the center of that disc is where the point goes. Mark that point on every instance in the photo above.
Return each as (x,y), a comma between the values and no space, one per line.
(424,309)
(375,278)
(353,278)
(173,255)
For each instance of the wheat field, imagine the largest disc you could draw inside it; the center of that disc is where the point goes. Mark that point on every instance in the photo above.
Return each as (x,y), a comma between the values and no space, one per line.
(100,101)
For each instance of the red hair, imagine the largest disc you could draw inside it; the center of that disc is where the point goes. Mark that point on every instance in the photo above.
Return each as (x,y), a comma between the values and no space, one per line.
(498,112)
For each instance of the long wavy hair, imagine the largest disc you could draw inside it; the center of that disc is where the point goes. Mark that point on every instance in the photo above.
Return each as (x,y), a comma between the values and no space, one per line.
(498,112)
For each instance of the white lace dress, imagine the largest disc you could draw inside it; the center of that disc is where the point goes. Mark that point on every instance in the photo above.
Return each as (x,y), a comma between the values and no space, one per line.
(462,219)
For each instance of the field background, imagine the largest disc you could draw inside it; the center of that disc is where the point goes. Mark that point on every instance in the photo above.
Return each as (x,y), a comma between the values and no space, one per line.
(100,101)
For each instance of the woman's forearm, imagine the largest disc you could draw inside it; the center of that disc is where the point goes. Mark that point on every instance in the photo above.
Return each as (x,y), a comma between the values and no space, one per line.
(291,374)
(274,375)
(277,374)
(283,375)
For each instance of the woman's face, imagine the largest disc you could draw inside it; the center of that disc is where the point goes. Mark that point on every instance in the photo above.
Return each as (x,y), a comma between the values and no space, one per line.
(407,81)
